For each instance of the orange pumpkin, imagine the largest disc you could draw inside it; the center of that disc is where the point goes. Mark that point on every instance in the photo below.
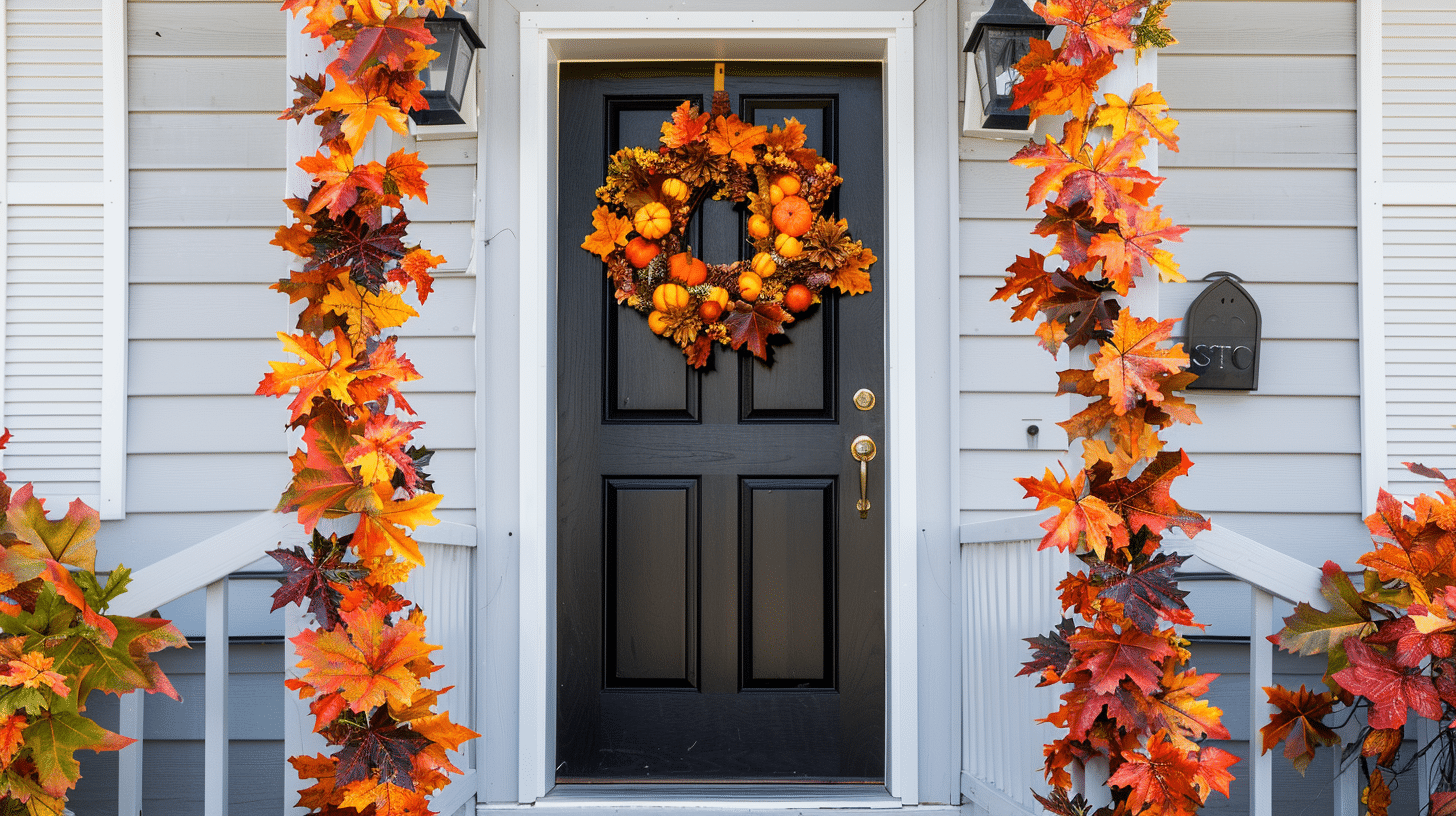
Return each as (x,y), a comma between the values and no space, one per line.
(686,269)
(670,296)
(641,251)
(798,298)
(787,246)
(749,285)
(759,227)
(657,321)
(792,216)
(775,195)
(764,266)
(718,295)
(675,189)
(788,184)
(709,311)
(652,220)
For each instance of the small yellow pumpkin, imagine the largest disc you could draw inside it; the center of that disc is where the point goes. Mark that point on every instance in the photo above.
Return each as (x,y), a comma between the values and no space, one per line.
(653,220)
(764,266)
(749,285)
(675,189)
(787,246)
(657,321)
(759,226)
(669,296)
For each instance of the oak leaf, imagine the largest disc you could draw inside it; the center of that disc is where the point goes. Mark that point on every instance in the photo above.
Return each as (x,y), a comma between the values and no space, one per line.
(1376,797)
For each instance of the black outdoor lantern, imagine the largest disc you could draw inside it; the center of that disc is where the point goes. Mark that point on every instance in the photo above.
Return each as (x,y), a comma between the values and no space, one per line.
(447,75)
(1223,336)
(999,40)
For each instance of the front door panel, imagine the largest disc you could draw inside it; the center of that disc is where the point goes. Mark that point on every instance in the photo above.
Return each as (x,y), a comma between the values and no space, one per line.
(721,609)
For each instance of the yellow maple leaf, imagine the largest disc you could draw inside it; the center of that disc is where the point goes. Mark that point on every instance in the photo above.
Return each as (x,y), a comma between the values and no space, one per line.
(383,522)
(1144,112)
(611,232)
(367,312)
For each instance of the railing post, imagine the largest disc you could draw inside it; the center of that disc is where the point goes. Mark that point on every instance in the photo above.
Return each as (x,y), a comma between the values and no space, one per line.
(1261,674)
(1347,775)
(215,747)
(129,759)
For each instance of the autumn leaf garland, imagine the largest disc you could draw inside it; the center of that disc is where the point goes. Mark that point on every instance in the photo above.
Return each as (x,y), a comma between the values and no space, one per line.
(365,665)
(1131,697)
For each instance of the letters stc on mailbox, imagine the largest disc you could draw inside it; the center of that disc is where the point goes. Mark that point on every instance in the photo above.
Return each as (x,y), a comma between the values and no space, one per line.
(1223,337)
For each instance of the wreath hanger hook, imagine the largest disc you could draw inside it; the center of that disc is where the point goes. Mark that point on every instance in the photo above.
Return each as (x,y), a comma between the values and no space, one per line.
(718,72)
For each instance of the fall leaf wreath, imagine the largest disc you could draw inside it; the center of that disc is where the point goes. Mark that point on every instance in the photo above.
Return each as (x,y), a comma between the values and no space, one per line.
(650,196)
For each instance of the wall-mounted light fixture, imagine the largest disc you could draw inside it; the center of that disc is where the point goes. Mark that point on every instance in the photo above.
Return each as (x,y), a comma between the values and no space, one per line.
(999,39)
(447,76)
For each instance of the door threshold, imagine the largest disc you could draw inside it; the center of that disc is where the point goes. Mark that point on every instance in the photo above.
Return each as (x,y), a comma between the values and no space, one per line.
(722,795)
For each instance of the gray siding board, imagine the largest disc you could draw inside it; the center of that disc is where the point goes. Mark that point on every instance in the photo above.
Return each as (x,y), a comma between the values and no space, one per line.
(235,29)
(206,255)
(1263,27)
(201,141)
(207,84)
(1237,82)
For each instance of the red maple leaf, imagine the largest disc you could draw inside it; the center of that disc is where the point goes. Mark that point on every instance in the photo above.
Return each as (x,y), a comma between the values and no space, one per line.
(389,42)
(753,325)
(383,749)
(1389,687)
(1161,779)
(1109,656)
(1027,280)
(1299,723)
(1412,645)
(1145,501)
(348,242)
(311,579)
(1093,27)
(1148,592)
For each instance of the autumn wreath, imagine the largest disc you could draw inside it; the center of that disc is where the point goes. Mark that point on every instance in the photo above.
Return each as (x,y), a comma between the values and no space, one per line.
(650,195)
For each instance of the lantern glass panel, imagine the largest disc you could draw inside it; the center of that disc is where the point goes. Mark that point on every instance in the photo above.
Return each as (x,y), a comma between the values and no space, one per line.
(1000,50)
(459,68)
(437,73)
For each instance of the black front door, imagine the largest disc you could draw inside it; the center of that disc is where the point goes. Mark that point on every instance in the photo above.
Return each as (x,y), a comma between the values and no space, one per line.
(721,602)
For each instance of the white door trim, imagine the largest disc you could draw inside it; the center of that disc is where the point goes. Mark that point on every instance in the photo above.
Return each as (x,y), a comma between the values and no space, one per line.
(548,38)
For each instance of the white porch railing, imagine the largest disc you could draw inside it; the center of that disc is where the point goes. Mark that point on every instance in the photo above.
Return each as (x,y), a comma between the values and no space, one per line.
(1009,587)
(443,588)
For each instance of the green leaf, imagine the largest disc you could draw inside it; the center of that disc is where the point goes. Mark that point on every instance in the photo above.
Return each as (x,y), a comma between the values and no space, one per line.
(1310,631)
(53,741)
(70,539)
(33,700)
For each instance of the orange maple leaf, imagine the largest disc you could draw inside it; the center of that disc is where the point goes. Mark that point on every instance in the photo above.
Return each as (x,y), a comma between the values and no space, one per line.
(415,266)
(1143,112)
(384,522)
(380,373)
(324,371)
(1299,723)
(1130,360)
(361,104)
(686,126)
(1187,716)
(1083,520)
(363,658)
(1107,657)
(1376,797)
(1161,779)
(1134,243)
(1050,87)
(387,798)
(404,176)
(736,139)
(790,137)
(380,450)
(341,180)
(611,232)
(1093,27)
(853,278)
(11,740)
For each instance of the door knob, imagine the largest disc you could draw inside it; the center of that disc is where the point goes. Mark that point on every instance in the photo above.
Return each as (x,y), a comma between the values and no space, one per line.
(863,450)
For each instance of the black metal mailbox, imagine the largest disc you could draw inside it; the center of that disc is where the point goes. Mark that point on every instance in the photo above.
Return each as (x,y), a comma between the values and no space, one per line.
(1223,336)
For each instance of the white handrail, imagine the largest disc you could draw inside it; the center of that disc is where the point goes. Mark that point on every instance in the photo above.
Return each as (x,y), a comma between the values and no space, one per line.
(1268,572)
(208,564)
(1238,555)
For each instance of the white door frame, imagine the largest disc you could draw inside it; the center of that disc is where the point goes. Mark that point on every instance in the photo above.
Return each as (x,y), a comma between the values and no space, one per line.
(547,39)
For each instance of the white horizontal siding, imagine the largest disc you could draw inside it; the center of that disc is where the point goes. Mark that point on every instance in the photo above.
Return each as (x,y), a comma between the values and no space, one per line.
(1419,165)
(1265,179)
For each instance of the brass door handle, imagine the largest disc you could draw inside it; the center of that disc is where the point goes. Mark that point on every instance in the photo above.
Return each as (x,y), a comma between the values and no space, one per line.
(863,449)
